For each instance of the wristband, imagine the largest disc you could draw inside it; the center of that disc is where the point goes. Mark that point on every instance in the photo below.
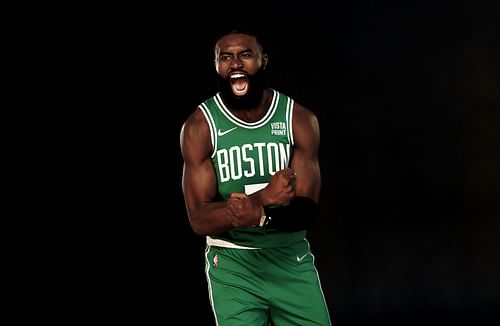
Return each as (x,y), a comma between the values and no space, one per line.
(299,214)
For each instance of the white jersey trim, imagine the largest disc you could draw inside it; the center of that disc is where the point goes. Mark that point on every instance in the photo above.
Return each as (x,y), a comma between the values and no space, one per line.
(249,125)
(211,125)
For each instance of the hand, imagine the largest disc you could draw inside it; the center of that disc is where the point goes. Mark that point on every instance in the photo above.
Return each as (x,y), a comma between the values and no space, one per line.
(243,211)
(281,188)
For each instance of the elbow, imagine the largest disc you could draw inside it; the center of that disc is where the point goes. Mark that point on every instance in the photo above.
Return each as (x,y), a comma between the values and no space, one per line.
(205,225)
(204,230)
(197,227)
(200,228)
(198,231)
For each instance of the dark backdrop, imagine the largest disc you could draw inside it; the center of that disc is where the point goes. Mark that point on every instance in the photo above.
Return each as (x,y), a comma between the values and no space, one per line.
(408,99)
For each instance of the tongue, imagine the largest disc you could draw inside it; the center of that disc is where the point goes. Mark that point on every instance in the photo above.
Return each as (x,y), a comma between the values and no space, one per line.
(240,87)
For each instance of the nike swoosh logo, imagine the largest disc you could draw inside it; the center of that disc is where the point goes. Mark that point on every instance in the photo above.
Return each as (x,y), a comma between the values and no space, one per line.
(222,133)
(299,259)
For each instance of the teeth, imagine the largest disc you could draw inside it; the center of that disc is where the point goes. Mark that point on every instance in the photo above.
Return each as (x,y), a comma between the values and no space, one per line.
(237,76)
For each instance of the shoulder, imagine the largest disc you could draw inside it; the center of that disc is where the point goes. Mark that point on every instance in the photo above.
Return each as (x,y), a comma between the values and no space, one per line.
(303,115)
(302,111)
(306,130)
(195,140)
(195,123)
(197,117)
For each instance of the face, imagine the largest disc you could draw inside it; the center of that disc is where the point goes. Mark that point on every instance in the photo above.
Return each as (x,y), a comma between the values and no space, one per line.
(240,65)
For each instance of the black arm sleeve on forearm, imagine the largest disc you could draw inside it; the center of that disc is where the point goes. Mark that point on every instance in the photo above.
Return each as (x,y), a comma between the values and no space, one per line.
(300,214)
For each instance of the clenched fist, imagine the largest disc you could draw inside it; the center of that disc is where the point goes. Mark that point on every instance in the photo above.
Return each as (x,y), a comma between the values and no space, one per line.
(243,211)
(281,188)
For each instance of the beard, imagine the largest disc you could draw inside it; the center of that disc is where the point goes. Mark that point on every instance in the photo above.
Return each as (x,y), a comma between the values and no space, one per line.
(256,85)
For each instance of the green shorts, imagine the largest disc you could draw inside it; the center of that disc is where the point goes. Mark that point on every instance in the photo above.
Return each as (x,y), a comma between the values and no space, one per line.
(261,287)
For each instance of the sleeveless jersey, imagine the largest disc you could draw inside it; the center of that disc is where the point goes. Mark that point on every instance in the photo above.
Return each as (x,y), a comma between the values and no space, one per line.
(246,155)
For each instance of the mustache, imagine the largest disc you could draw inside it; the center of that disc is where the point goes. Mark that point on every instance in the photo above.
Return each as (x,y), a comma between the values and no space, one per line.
(257,79)
(257,83)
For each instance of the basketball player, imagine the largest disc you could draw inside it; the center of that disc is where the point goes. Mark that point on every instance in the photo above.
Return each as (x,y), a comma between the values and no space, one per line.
(251,182)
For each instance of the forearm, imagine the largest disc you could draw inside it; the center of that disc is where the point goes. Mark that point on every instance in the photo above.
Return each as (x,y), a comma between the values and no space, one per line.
(210,219)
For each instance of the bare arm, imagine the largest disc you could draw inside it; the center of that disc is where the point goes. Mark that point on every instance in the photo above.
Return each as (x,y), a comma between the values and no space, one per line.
(305,161)
(207,215)
(303,179)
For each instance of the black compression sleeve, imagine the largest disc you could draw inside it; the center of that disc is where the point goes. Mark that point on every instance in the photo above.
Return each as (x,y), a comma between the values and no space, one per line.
(300,214)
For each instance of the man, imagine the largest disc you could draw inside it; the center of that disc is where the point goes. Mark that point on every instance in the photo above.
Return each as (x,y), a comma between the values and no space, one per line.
(251,183)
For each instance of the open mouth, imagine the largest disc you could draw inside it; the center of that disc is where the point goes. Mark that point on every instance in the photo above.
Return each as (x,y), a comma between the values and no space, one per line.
(239,84)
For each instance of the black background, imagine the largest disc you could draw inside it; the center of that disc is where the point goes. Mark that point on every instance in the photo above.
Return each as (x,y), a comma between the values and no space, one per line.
(408,97)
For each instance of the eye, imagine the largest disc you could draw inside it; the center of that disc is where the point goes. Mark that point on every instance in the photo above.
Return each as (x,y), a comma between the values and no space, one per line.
(225,57)
(246,55)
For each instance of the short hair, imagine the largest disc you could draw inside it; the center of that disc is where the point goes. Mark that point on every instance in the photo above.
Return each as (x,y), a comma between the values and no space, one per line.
(241,29)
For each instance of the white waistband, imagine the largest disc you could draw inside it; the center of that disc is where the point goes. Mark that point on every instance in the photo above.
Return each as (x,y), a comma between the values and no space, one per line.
(225,244)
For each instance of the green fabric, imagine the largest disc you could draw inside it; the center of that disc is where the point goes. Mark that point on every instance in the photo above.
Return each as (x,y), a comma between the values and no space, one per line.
(247,155)
(256,286)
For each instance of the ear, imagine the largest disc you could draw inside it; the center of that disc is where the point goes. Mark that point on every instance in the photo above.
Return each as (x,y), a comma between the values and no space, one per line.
(265,59)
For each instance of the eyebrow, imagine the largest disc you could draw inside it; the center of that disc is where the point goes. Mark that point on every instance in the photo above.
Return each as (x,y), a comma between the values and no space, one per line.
(239,52)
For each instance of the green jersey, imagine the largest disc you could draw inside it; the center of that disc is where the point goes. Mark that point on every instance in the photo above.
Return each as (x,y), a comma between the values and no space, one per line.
(245,157)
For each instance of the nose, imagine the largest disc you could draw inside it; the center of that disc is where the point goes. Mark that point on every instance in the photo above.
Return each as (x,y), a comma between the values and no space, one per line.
(236,62)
